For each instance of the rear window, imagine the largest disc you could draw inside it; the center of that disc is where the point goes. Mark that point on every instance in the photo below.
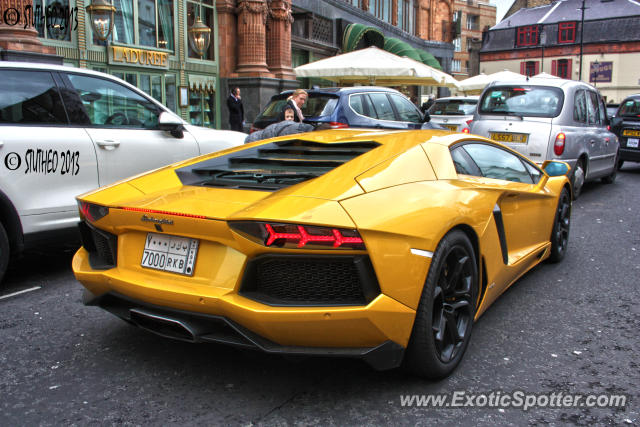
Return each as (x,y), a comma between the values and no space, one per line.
(317,105)
(454,107)
(630,107)
(535,101)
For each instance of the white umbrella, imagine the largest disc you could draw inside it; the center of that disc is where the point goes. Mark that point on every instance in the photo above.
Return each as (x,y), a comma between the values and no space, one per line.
(479,82)
(544,75)
(374,66)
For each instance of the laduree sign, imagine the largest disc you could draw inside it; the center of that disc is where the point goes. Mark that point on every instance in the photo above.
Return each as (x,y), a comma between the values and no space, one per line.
(122,55)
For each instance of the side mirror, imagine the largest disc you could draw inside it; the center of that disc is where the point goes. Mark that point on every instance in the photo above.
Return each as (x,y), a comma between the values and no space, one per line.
(555,168)
(171,124)
(426,118)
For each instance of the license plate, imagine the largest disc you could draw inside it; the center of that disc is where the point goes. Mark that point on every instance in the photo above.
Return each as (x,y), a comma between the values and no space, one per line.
(630,132)
(632,142)
(451,127)
(509,137)
(170,253)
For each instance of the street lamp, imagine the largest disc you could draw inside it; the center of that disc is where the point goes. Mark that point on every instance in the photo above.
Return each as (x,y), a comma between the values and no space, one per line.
(199,37)
(101,13)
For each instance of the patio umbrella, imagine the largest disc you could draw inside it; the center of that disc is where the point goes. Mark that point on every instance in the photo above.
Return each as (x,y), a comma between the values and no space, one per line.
(544,75)
(376,67)
(477,83)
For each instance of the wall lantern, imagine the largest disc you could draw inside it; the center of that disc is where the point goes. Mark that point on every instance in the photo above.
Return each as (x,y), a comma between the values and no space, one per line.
(199,37)
(101,13)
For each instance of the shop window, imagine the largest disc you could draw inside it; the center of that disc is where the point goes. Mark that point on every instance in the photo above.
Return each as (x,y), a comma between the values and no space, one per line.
(527,36)
(162,87)
(202,108)
(204,10)
(54,19)
(154,23)
(567,32)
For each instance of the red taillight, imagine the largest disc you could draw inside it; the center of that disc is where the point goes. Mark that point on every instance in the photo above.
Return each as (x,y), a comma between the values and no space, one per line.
(558,146)
(92,212)
(299,236)
(154,211)
(338,125)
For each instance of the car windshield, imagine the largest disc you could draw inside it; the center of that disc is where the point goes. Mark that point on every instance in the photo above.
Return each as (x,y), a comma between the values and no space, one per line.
(630,107)
(454,107)
(317,105)
(536,101)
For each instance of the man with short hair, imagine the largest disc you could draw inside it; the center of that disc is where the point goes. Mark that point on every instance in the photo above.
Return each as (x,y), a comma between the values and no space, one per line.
(236,110)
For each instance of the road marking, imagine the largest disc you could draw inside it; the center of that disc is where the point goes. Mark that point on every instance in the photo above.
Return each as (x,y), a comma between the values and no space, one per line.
(20,292)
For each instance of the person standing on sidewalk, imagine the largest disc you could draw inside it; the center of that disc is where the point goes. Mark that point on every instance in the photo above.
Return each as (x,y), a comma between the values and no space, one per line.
(236,110)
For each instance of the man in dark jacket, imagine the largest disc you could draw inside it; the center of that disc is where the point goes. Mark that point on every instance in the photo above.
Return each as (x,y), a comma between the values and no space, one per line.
(236,110)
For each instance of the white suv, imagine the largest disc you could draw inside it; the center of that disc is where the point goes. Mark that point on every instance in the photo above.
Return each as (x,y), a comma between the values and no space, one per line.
(65,131)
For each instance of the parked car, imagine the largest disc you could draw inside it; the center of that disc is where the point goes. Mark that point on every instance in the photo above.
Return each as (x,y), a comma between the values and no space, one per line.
(361,107)
(626,124)
(64,131)
(380,245)
(454,113)
(547,119)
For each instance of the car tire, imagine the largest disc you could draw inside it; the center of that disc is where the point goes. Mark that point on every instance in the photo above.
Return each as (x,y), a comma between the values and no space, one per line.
(448,299)
(561,227)
(577,180)
(611,178)
(620,163)
(4,252)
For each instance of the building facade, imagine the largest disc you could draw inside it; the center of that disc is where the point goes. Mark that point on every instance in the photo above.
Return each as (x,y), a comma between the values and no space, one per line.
(602,48)
(471,18)
(255,44)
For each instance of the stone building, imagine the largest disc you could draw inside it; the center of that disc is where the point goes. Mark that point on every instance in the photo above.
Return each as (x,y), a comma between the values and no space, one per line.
(255,44)
(471,18)
(551,39)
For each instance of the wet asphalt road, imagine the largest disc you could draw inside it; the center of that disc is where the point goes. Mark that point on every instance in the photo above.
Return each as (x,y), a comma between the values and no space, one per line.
(571,328)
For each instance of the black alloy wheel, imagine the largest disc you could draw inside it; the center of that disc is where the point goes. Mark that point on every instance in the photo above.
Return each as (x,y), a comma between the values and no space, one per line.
(561,226)
(444,319)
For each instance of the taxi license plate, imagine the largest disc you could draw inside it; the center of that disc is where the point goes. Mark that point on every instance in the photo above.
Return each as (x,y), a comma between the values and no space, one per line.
(451,127)
(509,137)
(630,132)
(170,253)
(632,142)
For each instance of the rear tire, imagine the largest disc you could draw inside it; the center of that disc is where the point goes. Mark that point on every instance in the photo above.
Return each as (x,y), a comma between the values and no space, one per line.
(4,252)
(577,181)
(444,319)
(561,226)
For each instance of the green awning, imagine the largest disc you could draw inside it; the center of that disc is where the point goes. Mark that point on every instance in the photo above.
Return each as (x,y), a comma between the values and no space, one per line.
(429,59)
(358,36)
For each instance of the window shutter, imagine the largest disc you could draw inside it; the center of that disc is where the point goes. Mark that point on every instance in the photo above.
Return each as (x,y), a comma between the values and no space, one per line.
(554,67)
(536,68)
(523,67)
(569,75)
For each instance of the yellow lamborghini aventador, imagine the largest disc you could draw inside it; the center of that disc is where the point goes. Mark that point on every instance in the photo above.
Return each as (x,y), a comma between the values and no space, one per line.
(382,245)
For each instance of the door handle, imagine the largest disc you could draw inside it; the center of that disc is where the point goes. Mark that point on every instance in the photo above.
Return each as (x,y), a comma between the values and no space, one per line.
(108,144)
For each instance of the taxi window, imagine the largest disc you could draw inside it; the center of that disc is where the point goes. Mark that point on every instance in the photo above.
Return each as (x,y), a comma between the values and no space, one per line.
(30,97)
(109,104)
(522,100)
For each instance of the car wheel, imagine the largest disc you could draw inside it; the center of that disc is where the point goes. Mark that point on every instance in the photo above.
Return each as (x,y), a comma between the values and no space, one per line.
(4,252)
(578,179)
(444,319)
(561,225)
(610,179)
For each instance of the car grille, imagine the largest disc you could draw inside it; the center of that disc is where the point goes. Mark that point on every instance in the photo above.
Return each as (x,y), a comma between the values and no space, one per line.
(310,280)
(102,247)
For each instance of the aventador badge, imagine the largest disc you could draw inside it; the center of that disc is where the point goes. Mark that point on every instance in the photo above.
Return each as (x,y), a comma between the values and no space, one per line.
(158,221)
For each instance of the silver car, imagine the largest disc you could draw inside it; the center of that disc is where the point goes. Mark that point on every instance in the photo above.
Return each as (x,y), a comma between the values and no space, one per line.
(454,113)
(548,119)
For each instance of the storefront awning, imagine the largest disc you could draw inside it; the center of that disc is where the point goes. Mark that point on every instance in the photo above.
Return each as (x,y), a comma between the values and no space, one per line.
(401,48)
(358,36)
